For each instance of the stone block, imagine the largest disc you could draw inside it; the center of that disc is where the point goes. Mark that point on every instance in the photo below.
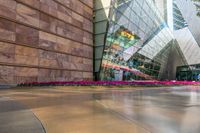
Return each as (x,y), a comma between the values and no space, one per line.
(26,60)
(66,65)
(62,60)
(87,61)
(25,72)
(77,74)
(75,59)
(7,48)
(45,75)
(27,15)
(26,51)
(47,41)
(87,75)
(7,30)
(8,9)
(7,52)
(27,35)
(32,3)
(48,63)
(77,17)
(87,51)
(26,55)
(66,75)
(77,23)
(88,38)
(88,25)
(76,36)
(67,3)
(86,67)
(88,12)
(47,55)
(6,74)
(52,75)
(48,23)
(7,58)
(89,3)
(63,45)
(77,6)
(73,66)
(63,29)
(49,6)
(64,14)
(6,70)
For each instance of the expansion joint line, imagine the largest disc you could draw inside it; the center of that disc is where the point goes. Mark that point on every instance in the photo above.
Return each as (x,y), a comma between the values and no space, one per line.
(123,116)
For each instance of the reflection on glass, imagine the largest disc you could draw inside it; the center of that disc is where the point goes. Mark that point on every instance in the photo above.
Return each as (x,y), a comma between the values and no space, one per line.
(132,27)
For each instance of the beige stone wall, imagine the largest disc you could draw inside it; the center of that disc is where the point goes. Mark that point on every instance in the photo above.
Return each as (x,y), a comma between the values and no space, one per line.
(46,40)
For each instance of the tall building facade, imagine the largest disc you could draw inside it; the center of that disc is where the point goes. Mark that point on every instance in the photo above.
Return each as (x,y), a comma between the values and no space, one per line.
(188,39)
(137,41)
(46,40)
(52,40)
(145,39)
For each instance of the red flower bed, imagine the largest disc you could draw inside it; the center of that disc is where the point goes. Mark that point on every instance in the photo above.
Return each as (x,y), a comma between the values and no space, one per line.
(111,83)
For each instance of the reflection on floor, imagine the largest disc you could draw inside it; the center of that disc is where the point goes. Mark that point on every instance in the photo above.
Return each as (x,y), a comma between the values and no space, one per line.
(90,110)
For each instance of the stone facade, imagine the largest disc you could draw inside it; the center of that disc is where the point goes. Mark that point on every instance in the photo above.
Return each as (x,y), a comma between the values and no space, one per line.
(46,40)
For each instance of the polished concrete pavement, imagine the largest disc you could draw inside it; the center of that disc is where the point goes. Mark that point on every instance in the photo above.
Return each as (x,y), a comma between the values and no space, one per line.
(16,118)
(100,110)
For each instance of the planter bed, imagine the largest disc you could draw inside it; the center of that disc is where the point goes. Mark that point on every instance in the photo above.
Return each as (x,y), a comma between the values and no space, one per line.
(112,83)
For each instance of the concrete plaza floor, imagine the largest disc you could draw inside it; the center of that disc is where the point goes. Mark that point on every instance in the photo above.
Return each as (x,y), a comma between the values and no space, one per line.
(100,110)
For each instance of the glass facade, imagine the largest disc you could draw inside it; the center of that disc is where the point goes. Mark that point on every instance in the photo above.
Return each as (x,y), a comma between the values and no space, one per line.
(186,33)
(189,72)
(179,21)
(136,36)
(145,39)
